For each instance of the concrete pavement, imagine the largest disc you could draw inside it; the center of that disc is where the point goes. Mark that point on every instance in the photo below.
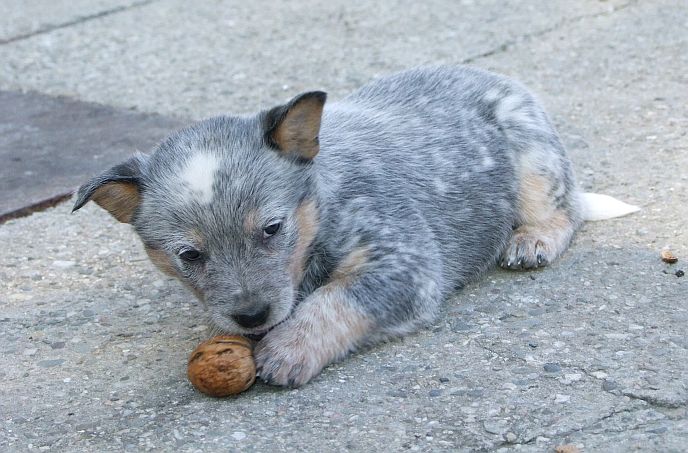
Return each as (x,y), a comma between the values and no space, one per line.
(590,352)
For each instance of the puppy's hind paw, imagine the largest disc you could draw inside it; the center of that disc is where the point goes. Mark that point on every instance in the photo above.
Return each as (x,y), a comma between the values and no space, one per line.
(525,251)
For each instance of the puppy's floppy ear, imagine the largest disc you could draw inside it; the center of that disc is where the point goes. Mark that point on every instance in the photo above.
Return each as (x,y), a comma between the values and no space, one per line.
(118,190)
(293,128)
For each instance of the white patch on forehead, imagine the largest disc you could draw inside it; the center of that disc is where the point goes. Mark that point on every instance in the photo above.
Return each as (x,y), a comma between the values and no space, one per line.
(198,176)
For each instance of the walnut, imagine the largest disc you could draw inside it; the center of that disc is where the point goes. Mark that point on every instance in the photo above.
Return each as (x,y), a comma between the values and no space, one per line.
(222,366)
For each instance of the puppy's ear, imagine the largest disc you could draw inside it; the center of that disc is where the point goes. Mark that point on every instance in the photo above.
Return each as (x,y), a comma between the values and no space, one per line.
(293,128)
(118,190)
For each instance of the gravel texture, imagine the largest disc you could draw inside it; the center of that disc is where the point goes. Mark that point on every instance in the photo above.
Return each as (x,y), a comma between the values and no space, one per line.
(591,351)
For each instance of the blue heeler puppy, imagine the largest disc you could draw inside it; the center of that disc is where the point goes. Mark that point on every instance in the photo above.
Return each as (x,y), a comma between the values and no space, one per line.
(326,228)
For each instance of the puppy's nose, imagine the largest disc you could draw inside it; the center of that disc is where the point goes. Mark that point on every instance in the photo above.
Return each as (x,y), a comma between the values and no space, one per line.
(253,319)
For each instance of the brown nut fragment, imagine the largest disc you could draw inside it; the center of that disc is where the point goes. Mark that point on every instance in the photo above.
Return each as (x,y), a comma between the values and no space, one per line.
(568,448)
(668,257)
(222,366)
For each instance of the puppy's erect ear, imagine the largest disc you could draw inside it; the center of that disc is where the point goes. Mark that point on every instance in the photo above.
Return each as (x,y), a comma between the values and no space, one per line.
(118,190)
(293,128)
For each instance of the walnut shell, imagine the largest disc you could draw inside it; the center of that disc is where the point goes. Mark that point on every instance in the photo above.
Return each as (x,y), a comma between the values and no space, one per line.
(222,366)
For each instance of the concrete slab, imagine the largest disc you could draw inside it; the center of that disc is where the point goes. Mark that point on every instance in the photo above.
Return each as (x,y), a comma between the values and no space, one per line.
(591,351)
(202,58)
(51,145)
(41,16)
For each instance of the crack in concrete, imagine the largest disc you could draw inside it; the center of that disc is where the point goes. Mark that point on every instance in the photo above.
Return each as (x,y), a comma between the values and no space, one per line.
(656,401)
(651,400)
(527,36)
(498,354)
(532,439)
(79,20)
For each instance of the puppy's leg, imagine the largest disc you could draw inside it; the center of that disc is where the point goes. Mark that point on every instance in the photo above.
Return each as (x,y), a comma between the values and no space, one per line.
(364,302)
(548,211)
(323,328)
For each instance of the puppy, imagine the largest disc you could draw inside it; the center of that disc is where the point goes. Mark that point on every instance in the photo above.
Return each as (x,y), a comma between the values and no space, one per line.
(324,228)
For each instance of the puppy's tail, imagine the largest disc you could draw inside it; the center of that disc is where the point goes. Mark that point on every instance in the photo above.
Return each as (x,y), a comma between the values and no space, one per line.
(596,206)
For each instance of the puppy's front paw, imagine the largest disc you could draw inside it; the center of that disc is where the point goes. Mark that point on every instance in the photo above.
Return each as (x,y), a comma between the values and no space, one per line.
(286,356)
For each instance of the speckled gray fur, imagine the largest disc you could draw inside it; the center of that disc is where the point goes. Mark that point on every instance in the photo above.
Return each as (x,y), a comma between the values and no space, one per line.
(423,170)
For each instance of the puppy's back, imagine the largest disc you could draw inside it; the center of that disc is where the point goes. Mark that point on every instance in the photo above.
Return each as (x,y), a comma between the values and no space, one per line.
(421,150)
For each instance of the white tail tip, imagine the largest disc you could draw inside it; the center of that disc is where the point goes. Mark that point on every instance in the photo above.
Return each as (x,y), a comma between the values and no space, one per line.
(601,207)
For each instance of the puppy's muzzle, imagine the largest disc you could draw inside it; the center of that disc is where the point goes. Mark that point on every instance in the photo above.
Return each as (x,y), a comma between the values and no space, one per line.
(252,319)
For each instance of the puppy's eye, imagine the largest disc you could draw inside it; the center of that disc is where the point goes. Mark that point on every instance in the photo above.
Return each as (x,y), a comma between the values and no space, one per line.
(190,255)
(271,229)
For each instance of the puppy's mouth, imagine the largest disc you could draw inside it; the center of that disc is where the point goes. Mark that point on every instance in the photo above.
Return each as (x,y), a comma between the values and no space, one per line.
(256,336)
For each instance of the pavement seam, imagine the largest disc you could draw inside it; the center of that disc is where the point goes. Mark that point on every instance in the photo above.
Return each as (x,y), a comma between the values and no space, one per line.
(505,46)
(39,206)
(655,402)
(79,20)
(650,400)
(647,403)
(564,434)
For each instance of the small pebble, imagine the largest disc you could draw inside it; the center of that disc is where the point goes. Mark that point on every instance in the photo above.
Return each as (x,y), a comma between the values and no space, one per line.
(63,264)
(238,435)
(435,392)
(511,437)
(444,380)
(561,398)
(50,363)
(552,367)
(495,426)
(680,273)
(608,386)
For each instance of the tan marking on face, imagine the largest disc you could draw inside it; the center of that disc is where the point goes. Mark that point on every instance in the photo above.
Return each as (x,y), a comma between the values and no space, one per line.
(197,238)
(251,221)
(350,266)
(163,262)
(308,223)
(118,198)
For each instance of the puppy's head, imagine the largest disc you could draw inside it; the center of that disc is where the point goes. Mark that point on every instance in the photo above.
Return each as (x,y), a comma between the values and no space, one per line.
(229,207)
